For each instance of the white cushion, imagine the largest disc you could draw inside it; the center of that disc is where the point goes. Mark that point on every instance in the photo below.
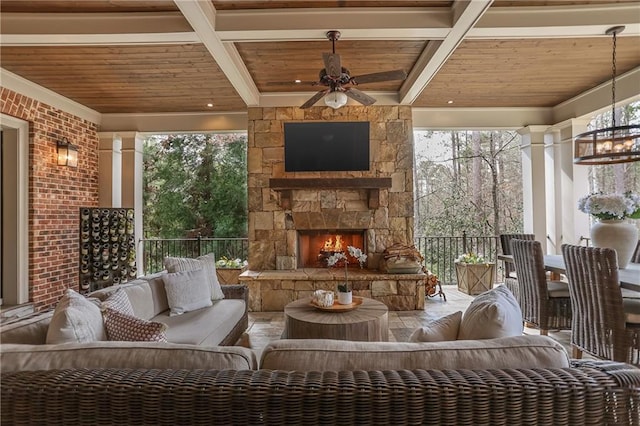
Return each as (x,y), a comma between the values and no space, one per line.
(206,263)
(342,355)
(127,328)
(75,319)
(631,310)
(494,313)
(440,330)
(557,289)
(187,291)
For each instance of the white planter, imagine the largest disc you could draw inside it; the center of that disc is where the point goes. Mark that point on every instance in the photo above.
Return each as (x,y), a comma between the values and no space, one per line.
(345,298)
(617,234)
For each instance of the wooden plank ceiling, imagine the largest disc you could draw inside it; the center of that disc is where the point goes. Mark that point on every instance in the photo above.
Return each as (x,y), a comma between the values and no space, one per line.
(184,76)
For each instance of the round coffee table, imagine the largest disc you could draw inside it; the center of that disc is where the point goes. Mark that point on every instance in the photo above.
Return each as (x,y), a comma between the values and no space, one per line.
(369,322)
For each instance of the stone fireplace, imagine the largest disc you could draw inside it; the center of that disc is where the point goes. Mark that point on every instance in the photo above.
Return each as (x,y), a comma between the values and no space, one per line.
(287,209)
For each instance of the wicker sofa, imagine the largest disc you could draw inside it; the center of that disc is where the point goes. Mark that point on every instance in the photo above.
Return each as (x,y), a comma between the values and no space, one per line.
(579,392)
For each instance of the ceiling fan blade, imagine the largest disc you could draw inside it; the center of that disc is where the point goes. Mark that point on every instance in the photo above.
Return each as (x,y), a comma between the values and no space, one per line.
(315,98)
(379,76)
(332,64)
(360,96)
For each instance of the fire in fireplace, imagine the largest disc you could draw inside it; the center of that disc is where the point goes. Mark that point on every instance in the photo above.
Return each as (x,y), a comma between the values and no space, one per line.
(314,247)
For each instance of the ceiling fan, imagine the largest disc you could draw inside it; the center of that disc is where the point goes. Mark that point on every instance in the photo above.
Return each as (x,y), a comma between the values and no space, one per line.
(339,81)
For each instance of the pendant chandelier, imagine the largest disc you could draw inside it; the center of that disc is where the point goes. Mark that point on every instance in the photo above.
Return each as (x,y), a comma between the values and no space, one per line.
(615,144)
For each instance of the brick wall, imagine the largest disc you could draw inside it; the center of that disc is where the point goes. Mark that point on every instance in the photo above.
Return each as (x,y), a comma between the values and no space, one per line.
(55,193)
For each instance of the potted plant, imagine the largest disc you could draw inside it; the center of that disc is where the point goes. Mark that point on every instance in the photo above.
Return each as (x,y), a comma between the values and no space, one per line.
(613,230)
(345,295)
(474,273)
(228,270)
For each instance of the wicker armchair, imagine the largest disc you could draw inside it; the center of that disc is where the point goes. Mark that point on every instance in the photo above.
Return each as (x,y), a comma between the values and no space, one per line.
(510,276)
(603,325)
(635,258)
(545,304)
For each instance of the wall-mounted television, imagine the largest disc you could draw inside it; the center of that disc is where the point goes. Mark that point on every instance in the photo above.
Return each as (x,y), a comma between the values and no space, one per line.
(326,146)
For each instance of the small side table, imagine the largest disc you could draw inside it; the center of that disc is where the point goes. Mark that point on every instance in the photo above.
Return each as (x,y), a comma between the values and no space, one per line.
(367,323)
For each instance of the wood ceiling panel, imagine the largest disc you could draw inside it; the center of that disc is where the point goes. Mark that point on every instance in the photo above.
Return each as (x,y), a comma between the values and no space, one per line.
(128,79)
(85,6)
(534,73)
(519,3)
(269,63)
(276,4)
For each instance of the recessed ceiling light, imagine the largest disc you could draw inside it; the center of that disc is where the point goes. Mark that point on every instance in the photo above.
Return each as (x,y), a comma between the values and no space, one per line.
(210,105)
(449,102)
(297,81)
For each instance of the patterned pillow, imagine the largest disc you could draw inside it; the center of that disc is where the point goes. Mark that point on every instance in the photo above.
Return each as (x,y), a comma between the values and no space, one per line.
(127,328)
(119,301)
(186,291)
(207,263)
(441,330)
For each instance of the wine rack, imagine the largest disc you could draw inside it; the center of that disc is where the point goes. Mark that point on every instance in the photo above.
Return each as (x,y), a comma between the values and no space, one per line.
(107,247)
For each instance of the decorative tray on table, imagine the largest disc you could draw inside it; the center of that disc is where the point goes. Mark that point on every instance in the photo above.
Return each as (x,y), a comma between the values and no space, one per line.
(336,307)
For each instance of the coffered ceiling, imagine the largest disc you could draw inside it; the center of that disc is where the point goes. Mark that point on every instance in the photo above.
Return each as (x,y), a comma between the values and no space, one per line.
(128,56)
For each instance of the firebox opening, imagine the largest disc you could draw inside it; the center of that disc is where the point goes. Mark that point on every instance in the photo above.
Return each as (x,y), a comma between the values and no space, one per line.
(314,247)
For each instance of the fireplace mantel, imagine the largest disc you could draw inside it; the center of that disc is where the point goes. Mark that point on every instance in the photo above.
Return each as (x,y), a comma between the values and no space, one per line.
(372,185)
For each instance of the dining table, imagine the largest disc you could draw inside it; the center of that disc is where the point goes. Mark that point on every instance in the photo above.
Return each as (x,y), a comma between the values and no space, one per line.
(629,277)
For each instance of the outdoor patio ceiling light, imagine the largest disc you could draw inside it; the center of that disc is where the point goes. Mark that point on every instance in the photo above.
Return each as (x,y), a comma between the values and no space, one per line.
(67,153)
(335,99)
(615,144)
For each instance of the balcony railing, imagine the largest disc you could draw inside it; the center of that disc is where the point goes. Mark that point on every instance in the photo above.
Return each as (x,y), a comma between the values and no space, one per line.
(440,252)
(156,249)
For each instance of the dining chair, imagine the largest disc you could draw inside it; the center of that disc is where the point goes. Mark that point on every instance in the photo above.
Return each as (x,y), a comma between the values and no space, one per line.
(604,324)
(510,275)
(545,304)
(635,257)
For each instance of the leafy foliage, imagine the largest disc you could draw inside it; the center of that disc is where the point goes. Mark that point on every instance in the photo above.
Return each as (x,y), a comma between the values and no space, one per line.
(195,184)
(468,181)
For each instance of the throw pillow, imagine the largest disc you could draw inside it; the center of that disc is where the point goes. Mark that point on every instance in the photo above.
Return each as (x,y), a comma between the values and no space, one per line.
(206,263)
(186,291)
(127,328)
(494,313)
(441,330)
(75,319)
(119,301)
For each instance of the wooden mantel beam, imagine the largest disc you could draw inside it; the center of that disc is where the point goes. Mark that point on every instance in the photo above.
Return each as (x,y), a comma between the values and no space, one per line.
(373,185)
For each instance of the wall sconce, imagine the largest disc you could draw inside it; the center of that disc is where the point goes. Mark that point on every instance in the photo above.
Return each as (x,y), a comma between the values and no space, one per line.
(67,153)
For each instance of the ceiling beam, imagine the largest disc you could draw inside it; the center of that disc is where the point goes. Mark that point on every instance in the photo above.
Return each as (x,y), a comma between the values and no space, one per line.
(201,16)
(436,54)
(54,29)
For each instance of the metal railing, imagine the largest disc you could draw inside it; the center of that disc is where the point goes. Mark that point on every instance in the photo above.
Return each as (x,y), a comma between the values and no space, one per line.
(156,249)
(441,252)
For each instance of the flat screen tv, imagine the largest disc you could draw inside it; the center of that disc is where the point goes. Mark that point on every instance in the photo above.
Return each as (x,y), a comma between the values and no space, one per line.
(326,146)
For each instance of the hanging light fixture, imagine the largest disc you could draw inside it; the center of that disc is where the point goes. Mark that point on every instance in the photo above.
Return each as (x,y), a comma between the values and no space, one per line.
(335,99)
(615,144)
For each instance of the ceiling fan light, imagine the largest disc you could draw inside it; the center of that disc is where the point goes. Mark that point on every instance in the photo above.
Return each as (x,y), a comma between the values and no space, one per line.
(335,100)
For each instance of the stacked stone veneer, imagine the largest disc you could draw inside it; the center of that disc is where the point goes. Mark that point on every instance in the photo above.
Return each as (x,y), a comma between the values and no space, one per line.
(273,230)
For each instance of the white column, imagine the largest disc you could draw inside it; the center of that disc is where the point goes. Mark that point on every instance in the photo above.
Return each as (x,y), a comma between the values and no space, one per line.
(533,181)
(570,181)
(132,190)
(110,170)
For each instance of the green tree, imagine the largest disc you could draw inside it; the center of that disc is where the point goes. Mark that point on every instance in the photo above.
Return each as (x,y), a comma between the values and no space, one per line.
(195,184)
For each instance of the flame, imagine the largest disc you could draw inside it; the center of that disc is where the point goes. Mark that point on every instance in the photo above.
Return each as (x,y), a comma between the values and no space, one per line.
(329,245)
